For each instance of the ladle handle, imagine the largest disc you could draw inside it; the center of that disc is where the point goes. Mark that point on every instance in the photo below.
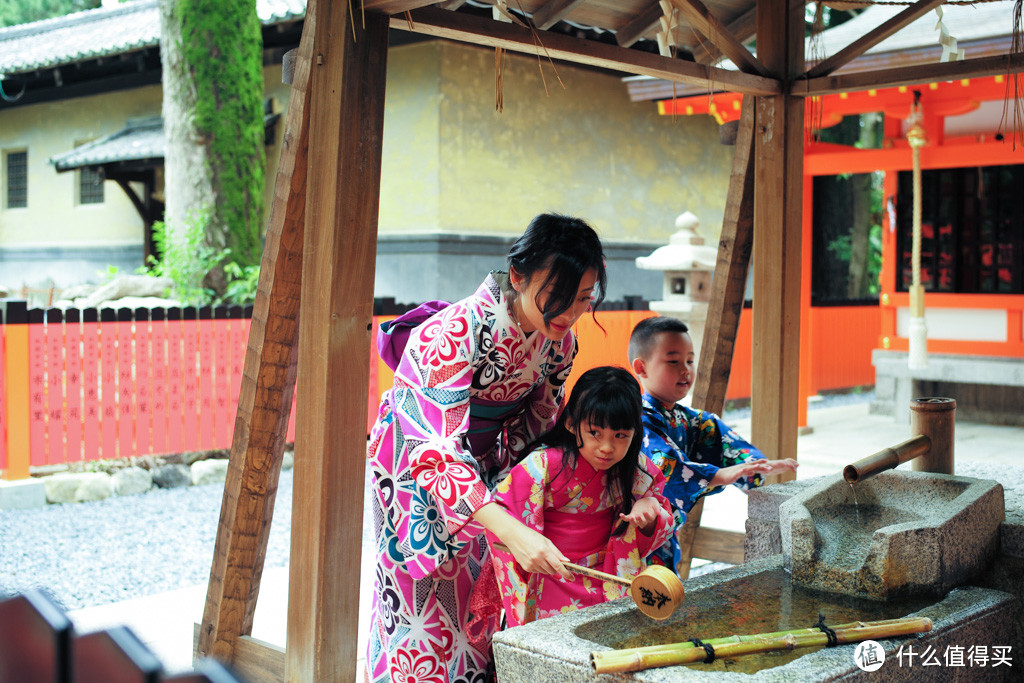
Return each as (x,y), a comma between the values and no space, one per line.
(580,569)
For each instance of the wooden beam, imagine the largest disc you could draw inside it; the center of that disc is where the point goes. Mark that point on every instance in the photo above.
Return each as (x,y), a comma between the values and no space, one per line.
(711,28)
(727,290)
(865,43)
(719,545)
(393,6)
(346,130)
(778,166)
(552,12)
(742,27)
(910,75)
(639,26)
(483,31)
(265,398)
(259,661)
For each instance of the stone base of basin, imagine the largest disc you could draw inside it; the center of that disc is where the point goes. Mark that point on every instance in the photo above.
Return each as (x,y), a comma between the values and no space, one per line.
(557,650)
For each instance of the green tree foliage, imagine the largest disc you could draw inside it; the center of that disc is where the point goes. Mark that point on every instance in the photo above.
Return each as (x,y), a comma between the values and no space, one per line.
(14,12)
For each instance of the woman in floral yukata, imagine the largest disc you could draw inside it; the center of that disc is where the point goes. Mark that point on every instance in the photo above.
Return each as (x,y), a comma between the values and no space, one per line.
(589,489)
(475,382)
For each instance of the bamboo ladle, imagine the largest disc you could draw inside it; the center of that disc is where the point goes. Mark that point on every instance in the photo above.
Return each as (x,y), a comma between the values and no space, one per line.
(656,591)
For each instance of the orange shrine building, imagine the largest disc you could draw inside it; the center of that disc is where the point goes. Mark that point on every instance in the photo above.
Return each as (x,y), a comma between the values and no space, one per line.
(972,233)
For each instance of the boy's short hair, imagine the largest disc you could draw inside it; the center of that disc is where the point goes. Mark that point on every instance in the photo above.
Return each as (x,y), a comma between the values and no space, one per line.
(643,338)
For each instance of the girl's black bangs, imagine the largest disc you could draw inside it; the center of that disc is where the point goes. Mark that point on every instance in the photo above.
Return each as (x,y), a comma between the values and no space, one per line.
(609,410)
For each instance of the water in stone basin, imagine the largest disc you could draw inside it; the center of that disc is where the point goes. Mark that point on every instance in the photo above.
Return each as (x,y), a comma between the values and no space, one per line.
(761,603)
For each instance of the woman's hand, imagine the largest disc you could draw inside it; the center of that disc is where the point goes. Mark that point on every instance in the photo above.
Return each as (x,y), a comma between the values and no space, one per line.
(531,549)
(644,514)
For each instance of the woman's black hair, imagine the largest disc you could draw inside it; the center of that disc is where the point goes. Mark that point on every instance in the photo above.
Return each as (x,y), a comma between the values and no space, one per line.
(607,397)
(567,247)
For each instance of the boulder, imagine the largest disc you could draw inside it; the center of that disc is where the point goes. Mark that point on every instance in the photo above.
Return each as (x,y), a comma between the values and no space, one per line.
(61,488)
(126,286)
(132,480)
(172,476)
(209,471)
(94,486)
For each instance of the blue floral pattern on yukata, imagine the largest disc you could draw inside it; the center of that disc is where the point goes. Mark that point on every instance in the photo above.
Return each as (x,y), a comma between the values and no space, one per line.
(690,446)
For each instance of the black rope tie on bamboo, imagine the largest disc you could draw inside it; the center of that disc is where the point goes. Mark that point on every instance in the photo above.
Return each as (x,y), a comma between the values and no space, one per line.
(832,639)
(708,649)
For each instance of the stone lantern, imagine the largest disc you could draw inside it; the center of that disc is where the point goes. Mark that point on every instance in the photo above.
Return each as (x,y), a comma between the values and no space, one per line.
(688,265)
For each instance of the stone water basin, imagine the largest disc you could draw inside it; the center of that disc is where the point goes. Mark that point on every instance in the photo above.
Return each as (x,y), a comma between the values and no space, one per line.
(899,533)
(755,597)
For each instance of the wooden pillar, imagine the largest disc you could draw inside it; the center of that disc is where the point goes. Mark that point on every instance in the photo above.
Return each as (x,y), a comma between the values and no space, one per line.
(265,397)
(346,128)
(727,290)
(778,166)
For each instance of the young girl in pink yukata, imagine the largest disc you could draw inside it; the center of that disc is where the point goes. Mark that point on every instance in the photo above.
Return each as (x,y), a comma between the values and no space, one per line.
(588,488)
(475,382)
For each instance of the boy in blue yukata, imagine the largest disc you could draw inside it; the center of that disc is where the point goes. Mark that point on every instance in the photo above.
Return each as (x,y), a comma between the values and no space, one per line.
(698,453)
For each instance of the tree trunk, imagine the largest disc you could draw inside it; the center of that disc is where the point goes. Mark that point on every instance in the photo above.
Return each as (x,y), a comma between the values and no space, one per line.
(860,228)
(211,54)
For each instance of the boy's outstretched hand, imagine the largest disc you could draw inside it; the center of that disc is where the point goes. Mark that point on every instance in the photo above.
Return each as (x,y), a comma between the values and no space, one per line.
(644,515)
(729,475)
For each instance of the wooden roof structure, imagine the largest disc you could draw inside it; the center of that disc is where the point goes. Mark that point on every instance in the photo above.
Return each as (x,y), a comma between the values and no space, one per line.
(321,242)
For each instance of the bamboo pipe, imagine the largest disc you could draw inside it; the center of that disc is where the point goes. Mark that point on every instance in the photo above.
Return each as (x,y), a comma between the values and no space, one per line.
(887,459)
(638,659)
(932,421)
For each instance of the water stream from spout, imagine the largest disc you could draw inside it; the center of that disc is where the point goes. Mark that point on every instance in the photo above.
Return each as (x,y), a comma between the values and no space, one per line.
(856,507)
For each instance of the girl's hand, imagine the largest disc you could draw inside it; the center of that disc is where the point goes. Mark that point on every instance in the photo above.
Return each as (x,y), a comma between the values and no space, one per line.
(644,514)
(531,549)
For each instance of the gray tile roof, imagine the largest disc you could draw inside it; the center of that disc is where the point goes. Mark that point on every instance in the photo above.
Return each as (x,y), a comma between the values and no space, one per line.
(964,22)
(139,139)
(102,32)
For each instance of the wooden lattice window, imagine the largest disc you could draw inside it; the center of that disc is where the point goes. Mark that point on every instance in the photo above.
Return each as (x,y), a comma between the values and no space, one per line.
(16,168)
(90,186)
(972,230)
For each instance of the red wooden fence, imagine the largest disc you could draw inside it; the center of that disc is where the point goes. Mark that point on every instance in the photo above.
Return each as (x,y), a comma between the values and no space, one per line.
(137,382)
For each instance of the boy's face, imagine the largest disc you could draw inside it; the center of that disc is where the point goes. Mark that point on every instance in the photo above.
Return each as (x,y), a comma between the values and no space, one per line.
(669,370)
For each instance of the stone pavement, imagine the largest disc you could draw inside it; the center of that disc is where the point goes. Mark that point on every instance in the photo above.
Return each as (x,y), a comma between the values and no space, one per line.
(840,436)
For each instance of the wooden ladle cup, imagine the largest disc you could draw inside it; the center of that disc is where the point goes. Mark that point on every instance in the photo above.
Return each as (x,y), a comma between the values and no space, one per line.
(657,591)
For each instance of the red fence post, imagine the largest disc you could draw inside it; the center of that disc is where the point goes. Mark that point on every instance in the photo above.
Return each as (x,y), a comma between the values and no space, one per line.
(223,417)
(125,385)
(37,387)
(92,408)
(55,421)
(108,383)
(73,385)
(190,377)
(175,382)
(206,370)
(158,396)
(17,373)
(143,337)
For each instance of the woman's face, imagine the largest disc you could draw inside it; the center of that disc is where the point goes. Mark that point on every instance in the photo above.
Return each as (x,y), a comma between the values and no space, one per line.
(529,304)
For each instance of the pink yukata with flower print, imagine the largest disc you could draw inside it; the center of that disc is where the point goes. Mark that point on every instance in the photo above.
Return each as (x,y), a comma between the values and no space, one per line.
(470,391)
(575,509)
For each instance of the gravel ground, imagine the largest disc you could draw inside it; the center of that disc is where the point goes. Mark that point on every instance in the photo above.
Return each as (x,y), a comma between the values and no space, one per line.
(89,554)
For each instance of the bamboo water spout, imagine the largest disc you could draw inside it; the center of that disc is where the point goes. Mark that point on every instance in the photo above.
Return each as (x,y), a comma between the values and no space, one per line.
(932,421)
(887,459)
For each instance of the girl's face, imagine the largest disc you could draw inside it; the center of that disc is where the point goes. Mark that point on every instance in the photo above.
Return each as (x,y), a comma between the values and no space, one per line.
(602,447)
(528,307)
